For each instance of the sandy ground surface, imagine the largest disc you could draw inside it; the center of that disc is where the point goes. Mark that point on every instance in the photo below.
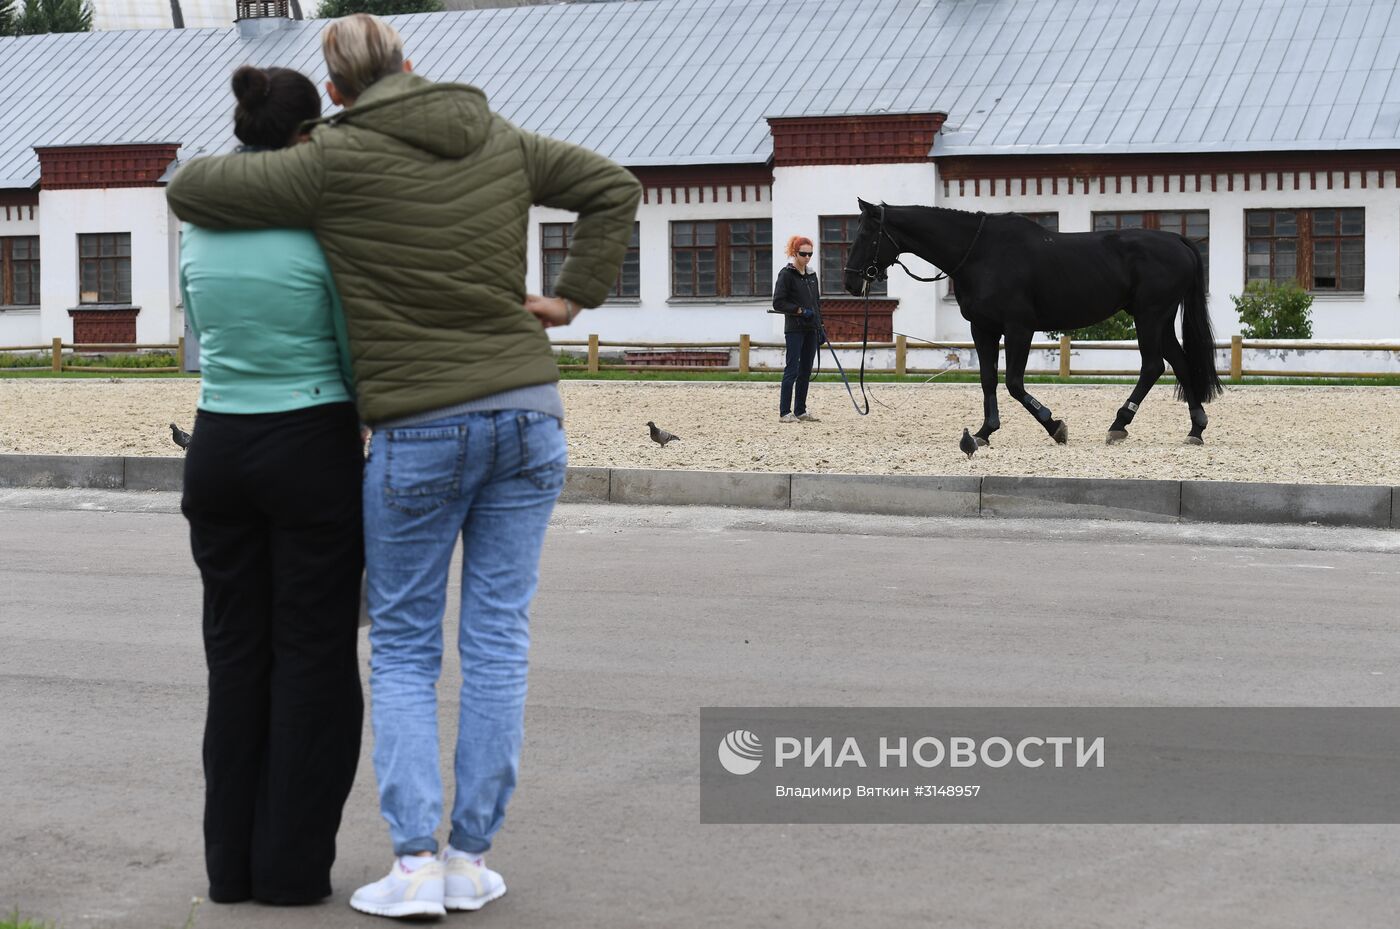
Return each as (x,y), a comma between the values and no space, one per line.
(1292,434)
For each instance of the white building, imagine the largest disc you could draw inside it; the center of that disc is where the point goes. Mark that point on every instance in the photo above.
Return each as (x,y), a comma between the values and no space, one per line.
(1269,131)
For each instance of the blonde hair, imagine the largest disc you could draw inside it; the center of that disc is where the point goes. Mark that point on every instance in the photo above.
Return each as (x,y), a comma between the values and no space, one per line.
(359,50)
(797,242)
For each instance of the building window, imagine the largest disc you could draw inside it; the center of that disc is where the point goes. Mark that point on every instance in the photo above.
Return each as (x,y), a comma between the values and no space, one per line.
(554,241)
(19,271)
(1193,224)
(1323,250)
(104,268)
(727,258)
(837,235)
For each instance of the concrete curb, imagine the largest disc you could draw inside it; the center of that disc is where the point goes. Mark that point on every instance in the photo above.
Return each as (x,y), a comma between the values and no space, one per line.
(888,495)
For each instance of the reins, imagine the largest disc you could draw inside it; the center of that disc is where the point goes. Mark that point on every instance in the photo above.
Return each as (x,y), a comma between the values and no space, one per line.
(871,273)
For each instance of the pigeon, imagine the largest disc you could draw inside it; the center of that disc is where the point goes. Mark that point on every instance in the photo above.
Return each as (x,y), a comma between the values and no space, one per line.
(180,436)
(661,436)
(967,443)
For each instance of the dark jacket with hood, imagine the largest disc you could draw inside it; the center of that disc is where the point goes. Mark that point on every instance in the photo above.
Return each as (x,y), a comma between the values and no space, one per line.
(420,196)
(792,293)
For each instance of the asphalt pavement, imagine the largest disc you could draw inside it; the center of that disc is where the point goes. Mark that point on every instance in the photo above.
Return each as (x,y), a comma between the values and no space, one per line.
(646,614)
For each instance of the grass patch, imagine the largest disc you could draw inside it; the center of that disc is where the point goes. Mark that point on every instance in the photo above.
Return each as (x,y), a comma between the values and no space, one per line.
(14,922)
(90,375)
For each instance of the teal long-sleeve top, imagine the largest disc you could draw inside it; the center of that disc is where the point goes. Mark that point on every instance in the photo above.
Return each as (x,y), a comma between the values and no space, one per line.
(271,330)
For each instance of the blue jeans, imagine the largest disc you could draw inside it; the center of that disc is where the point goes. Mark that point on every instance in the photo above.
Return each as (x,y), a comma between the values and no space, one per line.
(801,352)
(493,478)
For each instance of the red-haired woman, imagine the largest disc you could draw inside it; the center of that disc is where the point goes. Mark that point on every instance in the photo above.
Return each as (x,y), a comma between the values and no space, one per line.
(798,297)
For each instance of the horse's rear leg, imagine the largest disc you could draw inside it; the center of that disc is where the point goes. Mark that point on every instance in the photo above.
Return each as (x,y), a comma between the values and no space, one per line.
(1176,357)
(988,341)
(1149,333)
(1018,350)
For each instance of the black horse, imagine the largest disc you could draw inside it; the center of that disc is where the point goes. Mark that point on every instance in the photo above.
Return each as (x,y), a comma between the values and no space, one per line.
(1014,278)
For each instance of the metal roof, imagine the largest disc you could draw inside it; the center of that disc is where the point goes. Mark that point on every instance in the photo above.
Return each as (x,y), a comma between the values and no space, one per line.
(692,81)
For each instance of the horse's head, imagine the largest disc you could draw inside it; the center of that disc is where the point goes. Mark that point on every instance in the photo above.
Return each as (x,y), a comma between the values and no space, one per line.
(872,250)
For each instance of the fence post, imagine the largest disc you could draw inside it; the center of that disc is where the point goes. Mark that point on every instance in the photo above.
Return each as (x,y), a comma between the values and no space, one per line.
(593,351)
(901,354)
(57,354)
(1237,358)
(180,355)
(1064,356)
(744,353)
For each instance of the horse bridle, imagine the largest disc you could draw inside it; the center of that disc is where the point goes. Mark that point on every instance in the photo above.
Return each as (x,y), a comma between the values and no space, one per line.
(873,272)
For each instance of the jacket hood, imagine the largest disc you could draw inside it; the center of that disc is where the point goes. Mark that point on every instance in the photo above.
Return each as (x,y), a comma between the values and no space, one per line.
(447,120)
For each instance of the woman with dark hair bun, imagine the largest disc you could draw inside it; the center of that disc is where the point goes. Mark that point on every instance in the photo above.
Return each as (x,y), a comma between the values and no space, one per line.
(272,496)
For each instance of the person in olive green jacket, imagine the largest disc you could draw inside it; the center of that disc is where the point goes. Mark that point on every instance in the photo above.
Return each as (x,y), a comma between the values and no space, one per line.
(420,196)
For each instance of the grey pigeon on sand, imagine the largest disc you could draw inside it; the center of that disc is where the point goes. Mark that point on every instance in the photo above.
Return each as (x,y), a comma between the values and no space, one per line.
(967,443)
(181,437)
(661,436)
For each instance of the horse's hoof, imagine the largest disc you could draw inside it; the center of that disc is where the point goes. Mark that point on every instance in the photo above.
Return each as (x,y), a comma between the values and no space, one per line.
(1116,435)
(981,442)
(1195,440)
(1061,435)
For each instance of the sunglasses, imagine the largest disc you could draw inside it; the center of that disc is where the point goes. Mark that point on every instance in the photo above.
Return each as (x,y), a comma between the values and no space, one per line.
(805,254)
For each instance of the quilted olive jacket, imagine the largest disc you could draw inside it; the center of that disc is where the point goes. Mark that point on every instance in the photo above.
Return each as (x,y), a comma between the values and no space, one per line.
(420,196)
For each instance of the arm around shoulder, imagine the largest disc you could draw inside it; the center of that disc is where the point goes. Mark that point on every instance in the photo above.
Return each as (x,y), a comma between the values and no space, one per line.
(250,190)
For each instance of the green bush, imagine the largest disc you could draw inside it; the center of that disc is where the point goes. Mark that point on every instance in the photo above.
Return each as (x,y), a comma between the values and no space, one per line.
(152,360)
(27,361)
(1274,311)
(1120,327)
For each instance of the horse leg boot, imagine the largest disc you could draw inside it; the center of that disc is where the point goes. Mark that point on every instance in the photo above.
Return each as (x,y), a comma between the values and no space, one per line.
(1152,368)
(1176,355)
(1198,426)
(1018,351)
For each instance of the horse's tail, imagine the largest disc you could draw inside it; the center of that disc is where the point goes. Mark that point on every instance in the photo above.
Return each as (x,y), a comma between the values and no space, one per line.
(1198,338)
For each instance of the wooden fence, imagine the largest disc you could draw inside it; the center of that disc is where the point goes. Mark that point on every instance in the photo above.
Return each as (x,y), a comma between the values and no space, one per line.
(58,347)
(740,351)
(1065,347)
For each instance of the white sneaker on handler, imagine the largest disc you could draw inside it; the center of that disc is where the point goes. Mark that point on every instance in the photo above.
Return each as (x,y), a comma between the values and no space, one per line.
(470,884)
(418,892)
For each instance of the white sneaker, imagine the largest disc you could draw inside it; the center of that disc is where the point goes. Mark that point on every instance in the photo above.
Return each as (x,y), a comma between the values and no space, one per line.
(470,884)
(404,892)
(787,418)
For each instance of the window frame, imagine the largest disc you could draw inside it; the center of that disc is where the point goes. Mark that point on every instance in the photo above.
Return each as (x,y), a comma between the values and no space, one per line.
(760,258)
(840,249)
(7,270)
(121,254)
(633,255)
(1305,240)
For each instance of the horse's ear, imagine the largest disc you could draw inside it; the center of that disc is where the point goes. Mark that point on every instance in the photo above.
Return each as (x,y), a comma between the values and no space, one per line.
(864,207)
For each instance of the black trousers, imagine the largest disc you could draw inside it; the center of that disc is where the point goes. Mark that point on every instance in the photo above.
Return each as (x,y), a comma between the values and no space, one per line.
(273,502)
(801,351)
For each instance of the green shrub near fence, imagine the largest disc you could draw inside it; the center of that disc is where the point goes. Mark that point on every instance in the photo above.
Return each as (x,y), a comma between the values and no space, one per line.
(45,360)
(1120,327)
(26,361)
(1274,311)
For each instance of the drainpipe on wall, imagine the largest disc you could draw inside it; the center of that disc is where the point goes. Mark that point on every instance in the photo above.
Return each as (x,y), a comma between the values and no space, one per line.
(176,15)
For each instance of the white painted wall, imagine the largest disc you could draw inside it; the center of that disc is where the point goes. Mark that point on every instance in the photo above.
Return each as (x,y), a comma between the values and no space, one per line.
(802,194)
(1372,315)
(21,326)
(657,316)
(141,211)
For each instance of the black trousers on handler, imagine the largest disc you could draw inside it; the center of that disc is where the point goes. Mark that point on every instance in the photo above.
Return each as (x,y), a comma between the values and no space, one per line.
(273,502)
